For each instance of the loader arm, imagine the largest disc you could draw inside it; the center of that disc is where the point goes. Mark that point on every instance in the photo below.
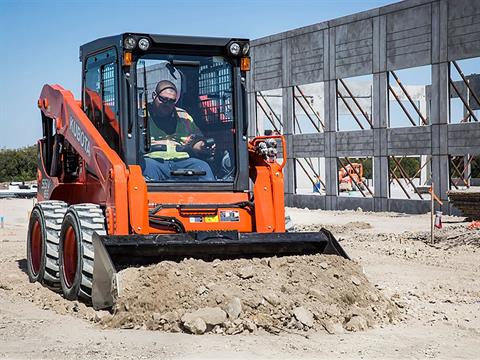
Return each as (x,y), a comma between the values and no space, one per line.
(73,124)
(268,191)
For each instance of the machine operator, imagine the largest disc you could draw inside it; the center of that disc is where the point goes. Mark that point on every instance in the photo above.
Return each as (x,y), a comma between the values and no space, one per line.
(175,140)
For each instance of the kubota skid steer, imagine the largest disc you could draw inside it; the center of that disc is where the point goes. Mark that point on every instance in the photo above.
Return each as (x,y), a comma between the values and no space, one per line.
(98,210)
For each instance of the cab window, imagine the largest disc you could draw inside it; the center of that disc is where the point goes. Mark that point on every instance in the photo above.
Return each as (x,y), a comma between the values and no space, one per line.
(100,95)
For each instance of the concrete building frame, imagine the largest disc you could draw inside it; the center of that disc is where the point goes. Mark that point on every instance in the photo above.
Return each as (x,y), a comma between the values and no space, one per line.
(403,35)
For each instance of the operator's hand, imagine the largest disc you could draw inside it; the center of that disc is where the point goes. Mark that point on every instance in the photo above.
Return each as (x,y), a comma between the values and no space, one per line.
(199,145)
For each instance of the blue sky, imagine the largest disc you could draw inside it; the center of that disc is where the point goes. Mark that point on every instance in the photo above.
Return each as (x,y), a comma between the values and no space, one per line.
(40,39)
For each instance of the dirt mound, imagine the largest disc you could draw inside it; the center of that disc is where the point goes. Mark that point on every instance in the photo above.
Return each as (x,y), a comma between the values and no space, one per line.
(351,226)
(447,238)
(240,296)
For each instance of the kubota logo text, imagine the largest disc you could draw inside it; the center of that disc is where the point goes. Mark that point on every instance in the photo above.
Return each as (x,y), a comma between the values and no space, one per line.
(79,134)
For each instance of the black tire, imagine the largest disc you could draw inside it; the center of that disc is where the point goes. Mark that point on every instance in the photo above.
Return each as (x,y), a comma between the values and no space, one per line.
(42,242)
(76,250)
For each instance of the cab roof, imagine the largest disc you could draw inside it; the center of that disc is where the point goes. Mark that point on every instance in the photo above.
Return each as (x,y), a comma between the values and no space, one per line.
(158,39)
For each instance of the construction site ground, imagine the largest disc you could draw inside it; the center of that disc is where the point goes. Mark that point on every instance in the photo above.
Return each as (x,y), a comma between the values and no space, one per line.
(435,289)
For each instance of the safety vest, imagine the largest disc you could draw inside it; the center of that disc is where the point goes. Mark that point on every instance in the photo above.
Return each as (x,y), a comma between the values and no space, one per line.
(185,127)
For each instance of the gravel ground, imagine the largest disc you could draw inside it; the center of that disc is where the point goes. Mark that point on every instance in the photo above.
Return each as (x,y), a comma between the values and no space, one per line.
(434,288)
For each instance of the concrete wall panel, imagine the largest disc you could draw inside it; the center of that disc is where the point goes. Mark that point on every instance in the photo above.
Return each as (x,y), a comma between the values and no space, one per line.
(354,48)
(409,141)
(409,35)
(409,206)
(354,143)
(463,29)
(353,203)
(307,201)
(306,58)
(308,145)
(267,66)
(464,139)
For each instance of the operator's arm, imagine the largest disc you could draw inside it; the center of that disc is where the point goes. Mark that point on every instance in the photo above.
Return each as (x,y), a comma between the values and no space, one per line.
(191,133)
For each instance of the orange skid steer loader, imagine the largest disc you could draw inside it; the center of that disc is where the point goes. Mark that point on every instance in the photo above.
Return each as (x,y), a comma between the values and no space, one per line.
(139,170)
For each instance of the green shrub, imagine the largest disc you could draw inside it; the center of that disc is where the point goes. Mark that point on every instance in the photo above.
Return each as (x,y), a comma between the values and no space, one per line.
(18,164)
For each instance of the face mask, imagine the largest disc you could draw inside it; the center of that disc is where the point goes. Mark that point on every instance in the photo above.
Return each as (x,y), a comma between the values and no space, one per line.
(165,108)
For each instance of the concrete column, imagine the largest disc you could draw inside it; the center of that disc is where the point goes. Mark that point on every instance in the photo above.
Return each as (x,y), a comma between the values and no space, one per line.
(380,150)
(426,170)
(331,182)
(440,105)
(252,114)
(468,169)
(466,164)
(287,119)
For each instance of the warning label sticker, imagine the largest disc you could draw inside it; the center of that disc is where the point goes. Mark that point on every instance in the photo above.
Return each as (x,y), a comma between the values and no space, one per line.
(229,215)
(211,219)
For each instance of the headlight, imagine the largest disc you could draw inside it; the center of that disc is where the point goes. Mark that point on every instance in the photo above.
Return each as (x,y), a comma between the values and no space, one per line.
(129,43)
(143,44)
(245,48)
(234,48)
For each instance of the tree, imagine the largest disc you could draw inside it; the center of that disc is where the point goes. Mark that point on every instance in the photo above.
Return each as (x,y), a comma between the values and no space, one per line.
(410,165)
(18,164)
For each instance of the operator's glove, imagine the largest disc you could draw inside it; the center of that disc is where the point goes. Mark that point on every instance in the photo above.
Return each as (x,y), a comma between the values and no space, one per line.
(200,146)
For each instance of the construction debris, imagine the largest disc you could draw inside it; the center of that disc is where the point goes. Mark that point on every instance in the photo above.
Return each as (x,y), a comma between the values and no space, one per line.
(467,201)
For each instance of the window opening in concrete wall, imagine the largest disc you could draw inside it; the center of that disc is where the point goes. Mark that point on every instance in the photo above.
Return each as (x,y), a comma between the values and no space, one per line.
(269,112)
(355,176)
(310,176)
(464,91)
(410,177)
(309,105)
(464,171)
(354,103)
(409,94)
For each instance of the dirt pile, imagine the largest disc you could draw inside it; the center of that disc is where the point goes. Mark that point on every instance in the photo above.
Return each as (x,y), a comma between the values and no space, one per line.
(351,226)
(295,293)
(447,238)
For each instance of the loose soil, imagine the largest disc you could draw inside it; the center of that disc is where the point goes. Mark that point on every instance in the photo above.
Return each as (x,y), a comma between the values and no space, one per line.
(331,290)
(432,291)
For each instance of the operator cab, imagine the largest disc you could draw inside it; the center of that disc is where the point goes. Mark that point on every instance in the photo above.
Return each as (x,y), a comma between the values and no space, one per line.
(174,105)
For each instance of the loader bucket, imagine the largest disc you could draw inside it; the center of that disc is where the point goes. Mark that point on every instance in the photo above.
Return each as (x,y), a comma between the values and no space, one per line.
(113,253)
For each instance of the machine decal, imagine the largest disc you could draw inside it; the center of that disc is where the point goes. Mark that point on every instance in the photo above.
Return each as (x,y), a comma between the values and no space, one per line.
(229,215)
(45,187)
(211,219)
(80,135)
(196,219)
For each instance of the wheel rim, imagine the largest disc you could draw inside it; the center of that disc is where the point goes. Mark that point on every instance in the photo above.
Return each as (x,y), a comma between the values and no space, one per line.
(36,247)
(69,256)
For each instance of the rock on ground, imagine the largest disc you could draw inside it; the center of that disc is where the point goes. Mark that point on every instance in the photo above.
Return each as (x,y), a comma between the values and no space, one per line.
(210,315)
(195,326)
(304,316)
(234,308)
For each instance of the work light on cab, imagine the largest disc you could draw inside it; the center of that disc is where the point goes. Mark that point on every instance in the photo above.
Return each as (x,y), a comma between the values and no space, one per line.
(143,44)
(130,43)
(234,48)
